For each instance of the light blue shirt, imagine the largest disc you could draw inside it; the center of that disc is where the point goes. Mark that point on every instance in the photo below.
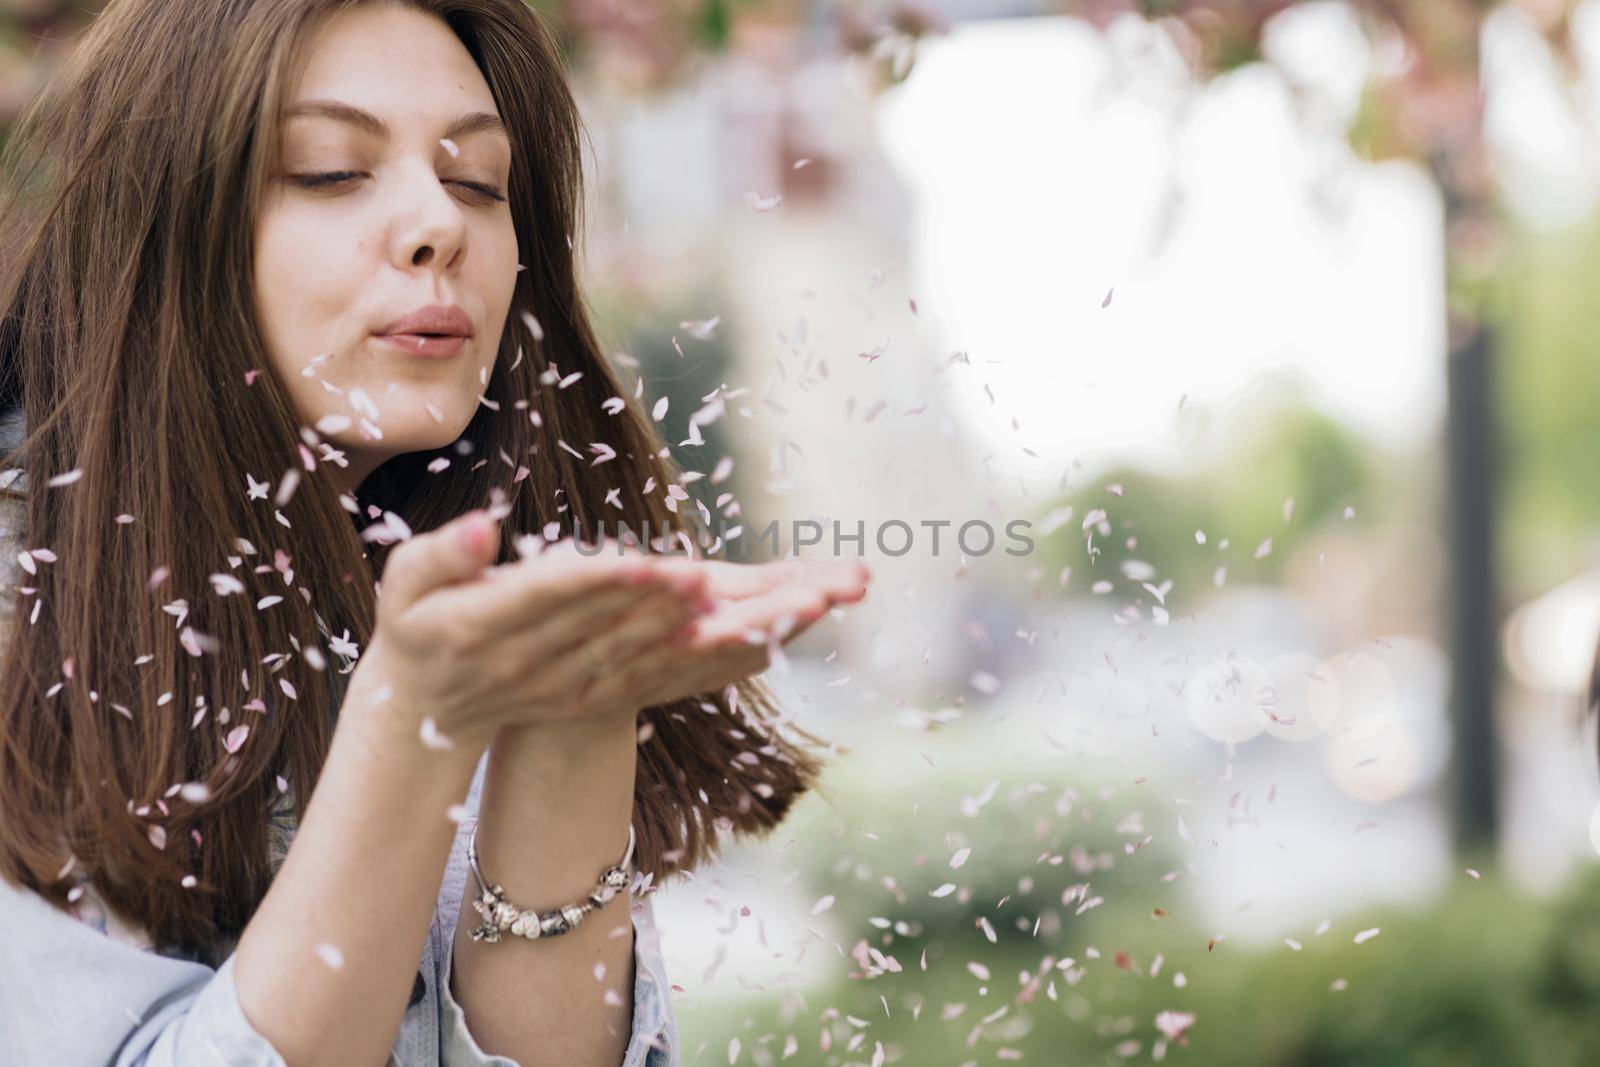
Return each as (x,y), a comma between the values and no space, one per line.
(73,994)
(84,989)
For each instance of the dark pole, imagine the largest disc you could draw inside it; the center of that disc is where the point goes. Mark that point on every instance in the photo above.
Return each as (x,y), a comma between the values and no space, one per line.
(1473,608)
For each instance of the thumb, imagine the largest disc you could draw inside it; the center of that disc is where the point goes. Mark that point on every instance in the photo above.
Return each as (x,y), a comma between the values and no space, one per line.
(455,552)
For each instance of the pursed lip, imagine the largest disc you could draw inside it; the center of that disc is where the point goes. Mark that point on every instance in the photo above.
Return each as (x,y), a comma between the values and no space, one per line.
(442,320)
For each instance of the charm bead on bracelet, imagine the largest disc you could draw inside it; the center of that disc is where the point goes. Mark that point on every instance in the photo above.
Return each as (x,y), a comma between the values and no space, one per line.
(499,914)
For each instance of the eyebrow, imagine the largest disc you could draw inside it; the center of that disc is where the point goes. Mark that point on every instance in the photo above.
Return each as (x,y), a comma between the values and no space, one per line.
(464,124)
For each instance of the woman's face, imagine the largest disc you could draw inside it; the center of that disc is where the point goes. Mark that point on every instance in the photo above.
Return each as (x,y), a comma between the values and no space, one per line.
(393,118)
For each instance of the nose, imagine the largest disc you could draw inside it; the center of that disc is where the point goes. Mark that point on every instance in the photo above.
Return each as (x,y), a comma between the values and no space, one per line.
(430,229)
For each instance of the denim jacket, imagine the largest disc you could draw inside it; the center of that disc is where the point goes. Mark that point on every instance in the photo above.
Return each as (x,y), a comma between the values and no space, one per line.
(83,988)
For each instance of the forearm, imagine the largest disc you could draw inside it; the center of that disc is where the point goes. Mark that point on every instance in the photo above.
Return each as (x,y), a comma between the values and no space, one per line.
(361,876)
(553,814)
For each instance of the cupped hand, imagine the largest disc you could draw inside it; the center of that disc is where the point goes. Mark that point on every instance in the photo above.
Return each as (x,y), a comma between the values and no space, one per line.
(463,649)
(560,636)
(753,609)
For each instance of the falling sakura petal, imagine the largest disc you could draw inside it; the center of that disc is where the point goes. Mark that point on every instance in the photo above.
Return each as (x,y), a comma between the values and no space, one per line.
(1366,935)
(762,203)
(533,325)
(286,488)
(432,738)
(226,584)
(196,643)
(235,738)
(1174,1025)
(331,956)
(700,329)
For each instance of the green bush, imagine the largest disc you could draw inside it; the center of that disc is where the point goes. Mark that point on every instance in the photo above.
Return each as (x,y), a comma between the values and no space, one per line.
(1032,840)
(1482,975)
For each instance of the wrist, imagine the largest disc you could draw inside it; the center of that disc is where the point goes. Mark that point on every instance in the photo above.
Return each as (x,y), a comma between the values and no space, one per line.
(374,711)
(549,758)
(576,734)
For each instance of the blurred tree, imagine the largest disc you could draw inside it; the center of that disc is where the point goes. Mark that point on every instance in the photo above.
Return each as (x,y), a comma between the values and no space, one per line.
(1286,475)
(1543,307)
(684,371)
(1428,108)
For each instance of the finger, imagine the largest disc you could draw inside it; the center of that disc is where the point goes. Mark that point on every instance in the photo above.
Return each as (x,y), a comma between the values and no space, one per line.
(652,621)
(455,552)
(753,619)
(732,581)
(562,641)
(839,581)
(578,617)
(513,595)
(570,656)
(737,581)
(662,674)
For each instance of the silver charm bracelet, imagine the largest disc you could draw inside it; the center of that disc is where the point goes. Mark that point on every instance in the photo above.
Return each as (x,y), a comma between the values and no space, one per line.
(500,914)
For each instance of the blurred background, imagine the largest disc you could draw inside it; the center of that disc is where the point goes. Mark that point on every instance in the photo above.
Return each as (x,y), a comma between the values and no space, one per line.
(1276,321)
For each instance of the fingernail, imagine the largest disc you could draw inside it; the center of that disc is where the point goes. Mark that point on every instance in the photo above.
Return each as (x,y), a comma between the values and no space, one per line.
(471,533)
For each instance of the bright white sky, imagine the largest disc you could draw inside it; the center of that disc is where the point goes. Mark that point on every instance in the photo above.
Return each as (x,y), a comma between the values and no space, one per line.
(1041,159)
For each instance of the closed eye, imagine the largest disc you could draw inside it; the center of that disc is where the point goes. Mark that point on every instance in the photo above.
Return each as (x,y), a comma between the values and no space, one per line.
(329,179)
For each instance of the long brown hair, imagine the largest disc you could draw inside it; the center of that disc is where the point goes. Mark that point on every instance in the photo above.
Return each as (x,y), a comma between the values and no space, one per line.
(126,332)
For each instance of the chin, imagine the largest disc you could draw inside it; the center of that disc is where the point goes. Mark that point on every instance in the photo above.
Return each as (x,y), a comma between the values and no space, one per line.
(419,434)
(412,430)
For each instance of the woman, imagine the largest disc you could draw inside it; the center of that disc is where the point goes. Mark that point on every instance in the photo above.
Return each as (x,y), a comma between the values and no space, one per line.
(288,302)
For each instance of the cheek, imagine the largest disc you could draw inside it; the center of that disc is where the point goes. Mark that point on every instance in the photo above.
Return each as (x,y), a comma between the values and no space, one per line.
(304,272)
(499,281)
(303,267)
